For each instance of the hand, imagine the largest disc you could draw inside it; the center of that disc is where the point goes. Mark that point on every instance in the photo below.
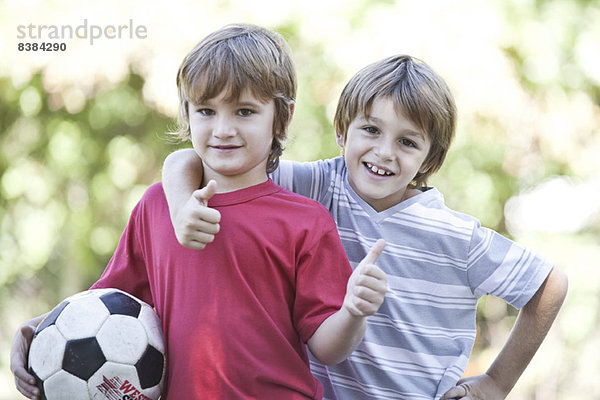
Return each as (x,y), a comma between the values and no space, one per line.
(480,387)
(196,224)
(24,381)
(367,285)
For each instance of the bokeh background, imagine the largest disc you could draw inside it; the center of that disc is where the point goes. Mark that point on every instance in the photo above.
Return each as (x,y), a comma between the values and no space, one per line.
(83,134)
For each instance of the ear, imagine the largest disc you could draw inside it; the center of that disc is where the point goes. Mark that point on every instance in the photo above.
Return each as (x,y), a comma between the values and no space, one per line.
(292,107)
(339,139)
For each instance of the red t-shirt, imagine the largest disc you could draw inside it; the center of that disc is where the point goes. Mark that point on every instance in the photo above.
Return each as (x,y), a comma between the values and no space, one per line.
(237,314)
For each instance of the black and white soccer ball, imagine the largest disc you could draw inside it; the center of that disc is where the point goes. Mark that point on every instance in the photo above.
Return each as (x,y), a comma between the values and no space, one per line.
(99,344)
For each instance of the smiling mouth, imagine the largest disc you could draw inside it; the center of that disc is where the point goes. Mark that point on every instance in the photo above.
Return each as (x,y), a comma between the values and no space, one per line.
(225,147)
(376,170)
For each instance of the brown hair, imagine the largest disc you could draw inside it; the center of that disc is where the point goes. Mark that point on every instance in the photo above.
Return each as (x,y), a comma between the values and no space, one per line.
(235,58)
(416,90)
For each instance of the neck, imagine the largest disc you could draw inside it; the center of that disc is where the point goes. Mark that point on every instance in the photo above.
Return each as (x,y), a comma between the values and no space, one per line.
(231,184)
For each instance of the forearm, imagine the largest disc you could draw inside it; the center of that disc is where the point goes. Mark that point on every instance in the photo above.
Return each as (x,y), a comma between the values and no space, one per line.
(530,329)
(181,176)
(337,337)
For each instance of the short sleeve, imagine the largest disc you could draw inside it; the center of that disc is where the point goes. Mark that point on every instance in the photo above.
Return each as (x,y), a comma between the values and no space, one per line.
(500,267)
(322,275)
(309,179)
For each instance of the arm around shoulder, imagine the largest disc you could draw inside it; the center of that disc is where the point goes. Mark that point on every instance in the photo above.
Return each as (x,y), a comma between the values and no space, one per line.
(181,176)
(194,223)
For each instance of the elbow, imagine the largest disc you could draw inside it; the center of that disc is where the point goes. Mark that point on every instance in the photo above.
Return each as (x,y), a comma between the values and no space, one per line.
(330,352)
(178,156)
(337,337)
(333,352)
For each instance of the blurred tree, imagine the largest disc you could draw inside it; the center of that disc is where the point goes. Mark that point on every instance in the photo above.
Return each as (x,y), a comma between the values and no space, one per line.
(311,132)
(68,182)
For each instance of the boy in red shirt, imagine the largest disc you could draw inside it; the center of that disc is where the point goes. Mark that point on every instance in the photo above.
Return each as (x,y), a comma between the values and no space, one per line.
(238,313)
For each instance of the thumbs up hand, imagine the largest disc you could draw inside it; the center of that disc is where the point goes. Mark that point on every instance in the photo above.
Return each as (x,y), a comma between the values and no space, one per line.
(367,285)
(204,195)
(196,224)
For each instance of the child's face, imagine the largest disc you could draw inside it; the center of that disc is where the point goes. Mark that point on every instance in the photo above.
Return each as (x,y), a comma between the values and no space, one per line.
(383,154)
(233,139)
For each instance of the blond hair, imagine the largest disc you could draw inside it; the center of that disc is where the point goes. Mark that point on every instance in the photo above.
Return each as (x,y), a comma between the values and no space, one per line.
(235,58)
(416,90)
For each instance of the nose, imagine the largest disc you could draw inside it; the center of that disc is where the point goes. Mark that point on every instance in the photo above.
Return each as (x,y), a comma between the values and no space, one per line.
(224,128)
(383,149)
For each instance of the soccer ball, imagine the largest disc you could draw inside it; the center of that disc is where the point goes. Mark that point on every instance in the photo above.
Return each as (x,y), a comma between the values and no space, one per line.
(99,344)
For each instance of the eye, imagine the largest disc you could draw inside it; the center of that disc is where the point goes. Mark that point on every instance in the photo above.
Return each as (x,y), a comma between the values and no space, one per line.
(205,111)
(408,142)
(245,112)
(371,129)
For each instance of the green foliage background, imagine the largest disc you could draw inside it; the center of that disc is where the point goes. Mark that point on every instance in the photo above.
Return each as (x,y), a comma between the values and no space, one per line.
(70,174)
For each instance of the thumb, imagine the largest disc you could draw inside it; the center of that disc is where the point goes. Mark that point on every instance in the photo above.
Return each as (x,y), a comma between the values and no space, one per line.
(374,253)
(456,392)
(28,331)
(208,191)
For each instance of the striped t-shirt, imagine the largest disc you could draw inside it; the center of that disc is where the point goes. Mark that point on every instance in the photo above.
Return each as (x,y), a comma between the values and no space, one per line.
(438,262)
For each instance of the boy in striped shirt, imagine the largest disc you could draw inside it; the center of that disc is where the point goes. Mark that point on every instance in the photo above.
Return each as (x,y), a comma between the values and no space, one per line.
(395,122)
